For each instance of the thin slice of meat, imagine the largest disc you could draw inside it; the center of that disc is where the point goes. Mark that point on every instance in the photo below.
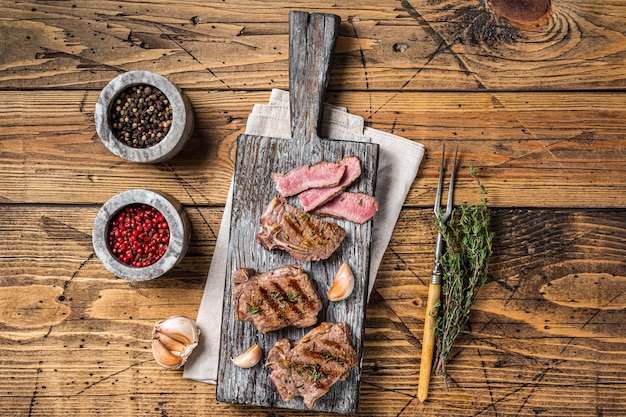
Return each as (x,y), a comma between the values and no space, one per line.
(310,366)
(315,197)
(354,207)
(275,299)
(305,237)
(302,178)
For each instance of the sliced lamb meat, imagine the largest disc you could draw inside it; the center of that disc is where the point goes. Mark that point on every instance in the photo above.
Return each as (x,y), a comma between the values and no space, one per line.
(305,237)
(313,198)
(310,366)
(322,174)
(355,207)
(275,299)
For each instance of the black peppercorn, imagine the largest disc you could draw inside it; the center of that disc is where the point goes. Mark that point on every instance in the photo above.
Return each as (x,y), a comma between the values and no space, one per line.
(141,116)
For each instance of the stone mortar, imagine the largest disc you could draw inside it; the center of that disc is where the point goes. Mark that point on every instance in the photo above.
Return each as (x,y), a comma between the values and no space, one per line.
(176,218)
(182,118)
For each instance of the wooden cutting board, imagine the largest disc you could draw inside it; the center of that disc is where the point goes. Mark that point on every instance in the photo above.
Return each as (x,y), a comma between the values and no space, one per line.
(312,38)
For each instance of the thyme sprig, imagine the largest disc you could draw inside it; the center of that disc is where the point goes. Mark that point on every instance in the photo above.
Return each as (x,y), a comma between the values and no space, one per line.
(465,262)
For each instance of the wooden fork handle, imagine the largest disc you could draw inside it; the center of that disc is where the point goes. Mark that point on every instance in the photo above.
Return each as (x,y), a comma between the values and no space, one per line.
(428,341)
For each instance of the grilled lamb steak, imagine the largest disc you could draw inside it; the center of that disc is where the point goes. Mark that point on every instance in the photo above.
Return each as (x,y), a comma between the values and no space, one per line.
(305,237)
(322,174)
(310,366)
(315,197)
(275,299)
(354,207)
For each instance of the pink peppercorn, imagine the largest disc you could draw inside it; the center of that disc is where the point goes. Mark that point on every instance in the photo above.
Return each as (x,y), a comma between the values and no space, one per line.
(139,235)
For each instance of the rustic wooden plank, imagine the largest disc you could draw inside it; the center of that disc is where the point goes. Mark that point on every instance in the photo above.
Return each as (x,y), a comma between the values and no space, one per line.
(254,189)
(312,38)
(72,331)
(532,150)
(395,46)
(552,274)
(546,335)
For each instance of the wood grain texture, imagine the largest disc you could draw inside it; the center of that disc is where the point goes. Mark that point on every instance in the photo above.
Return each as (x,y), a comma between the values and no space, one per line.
(253,189)
(531,150)
(428,340)
(541,113)
(312,38)
(405,45)
(546,335)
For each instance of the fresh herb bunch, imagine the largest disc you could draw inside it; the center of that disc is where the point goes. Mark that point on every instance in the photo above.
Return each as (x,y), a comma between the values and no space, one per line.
(465,261)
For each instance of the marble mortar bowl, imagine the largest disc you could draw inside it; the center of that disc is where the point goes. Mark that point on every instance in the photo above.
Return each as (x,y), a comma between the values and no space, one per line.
(179,132)
(177,221)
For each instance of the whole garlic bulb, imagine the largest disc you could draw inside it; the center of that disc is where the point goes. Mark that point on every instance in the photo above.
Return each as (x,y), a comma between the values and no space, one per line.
(173,340)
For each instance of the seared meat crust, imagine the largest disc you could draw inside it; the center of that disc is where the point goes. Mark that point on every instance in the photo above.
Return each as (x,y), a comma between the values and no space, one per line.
(310,366)
(305,237)
(275,299)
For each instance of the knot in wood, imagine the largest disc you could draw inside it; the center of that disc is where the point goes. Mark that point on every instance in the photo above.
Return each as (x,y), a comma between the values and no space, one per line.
(524,14)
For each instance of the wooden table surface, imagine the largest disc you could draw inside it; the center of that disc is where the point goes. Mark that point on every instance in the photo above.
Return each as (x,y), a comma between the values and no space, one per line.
(537,102)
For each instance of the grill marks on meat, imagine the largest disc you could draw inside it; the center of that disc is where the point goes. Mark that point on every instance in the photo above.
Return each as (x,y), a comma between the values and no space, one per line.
(313,198)
(276,299)
(304,237)
(310,366)
(302,178)
(354,207)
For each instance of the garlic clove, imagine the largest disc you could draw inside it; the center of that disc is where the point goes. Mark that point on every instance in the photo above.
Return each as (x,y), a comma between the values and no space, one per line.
(249,358)
(173,340)
(343,284)
(179,328)
(164,356)
(170,343)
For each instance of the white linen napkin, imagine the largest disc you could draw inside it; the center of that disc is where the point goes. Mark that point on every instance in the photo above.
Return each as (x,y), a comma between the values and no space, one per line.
(398,163)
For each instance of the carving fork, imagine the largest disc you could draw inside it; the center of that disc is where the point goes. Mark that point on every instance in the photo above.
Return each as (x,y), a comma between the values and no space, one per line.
(434,289)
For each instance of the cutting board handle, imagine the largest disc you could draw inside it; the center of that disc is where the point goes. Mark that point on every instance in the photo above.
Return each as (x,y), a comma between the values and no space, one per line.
(311,41)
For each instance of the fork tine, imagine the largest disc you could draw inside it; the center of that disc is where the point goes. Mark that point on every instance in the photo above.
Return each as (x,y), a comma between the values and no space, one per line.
(451,189)
(440,185)
(446,215)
